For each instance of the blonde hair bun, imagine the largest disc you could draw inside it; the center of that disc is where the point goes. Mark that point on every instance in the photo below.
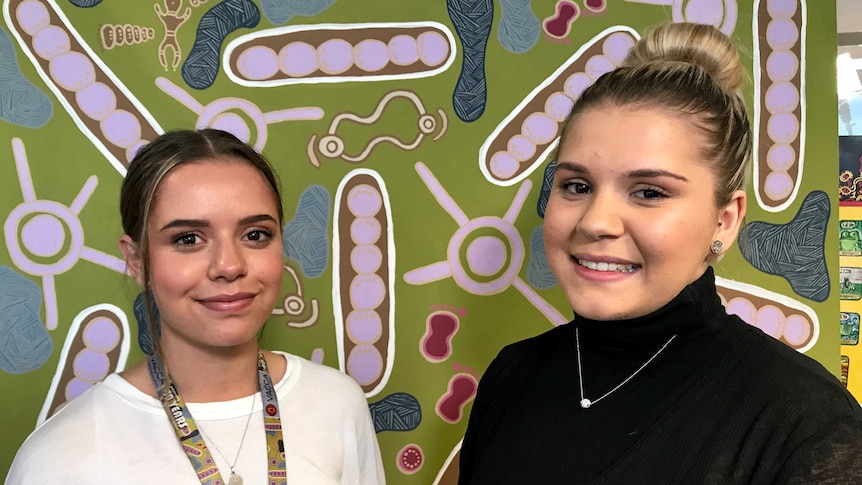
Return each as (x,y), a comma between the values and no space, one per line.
(690,43)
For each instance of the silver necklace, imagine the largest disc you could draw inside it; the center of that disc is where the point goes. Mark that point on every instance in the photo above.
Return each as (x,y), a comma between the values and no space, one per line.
(586,403)
(235,478)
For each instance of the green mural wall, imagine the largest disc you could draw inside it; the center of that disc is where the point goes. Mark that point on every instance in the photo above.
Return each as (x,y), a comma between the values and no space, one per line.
(412,140)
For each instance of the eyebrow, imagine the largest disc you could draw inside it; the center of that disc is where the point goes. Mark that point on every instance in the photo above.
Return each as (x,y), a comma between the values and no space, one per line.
(641,173)
(197,223)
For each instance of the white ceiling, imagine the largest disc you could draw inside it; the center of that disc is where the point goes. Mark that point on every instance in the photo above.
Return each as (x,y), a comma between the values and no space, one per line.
(849,15)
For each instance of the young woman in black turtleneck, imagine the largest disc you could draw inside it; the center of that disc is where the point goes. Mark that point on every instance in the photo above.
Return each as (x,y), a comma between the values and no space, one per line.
(653,382)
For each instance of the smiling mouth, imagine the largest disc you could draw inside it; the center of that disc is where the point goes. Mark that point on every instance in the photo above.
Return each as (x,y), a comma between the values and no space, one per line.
(607,267)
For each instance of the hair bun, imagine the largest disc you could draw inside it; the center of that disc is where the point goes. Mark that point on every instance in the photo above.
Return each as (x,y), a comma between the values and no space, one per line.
(690,43)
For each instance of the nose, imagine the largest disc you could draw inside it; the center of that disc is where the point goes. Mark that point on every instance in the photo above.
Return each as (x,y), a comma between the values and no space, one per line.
(602,217)
(228,262)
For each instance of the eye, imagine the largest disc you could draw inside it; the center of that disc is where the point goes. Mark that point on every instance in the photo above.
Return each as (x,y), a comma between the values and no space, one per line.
(651,193)
(186,240)
(258,235)
(575,187)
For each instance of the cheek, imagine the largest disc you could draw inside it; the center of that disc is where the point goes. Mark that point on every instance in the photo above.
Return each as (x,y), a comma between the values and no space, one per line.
(556,226)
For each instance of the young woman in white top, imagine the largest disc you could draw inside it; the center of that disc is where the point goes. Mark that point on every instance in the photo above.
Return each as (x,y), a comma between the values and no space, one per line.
(202,216)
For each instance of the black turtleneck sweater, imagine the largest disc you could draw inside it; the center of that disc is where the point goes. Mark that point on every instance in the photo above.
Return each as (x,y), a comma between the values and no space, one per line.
(723,403)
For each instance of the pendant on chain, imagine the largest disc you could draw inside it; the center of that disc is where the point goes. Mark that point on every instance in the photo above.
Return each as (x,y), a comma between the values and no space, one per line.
(234,479)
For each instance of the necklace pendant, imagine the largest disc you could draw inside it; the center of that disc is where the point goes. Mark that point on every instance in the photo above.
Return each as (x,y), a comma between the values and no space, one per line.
(234,479)
(586,403)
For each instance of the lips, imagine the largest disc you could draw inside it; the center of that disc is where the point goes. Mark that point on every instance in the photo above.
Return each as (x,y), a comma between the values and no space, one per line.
(228,303)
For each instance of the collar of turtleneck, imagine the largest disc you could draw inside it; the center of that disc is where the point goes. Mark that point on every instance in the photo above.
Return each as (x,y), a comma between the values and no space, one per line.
(688,312)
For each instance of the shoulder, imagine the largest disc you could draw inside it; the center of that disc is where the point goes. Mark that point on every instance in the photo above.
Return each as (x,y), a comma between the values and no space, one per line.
(321,381)
(78,418)
(529,350)
(774,369)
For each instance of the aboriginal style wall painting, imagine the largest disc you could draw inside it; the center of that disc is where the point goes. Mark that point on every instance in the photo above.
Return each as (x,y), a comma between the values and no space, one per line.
(414,144)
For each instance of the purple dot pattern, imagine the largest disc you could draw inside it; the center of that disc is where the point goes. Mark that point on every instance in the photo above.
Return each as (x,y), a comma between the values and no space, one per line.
(779,321)
(364,335)
(539,118)
(25,344)
(780,110)
(70,70)
(347,53)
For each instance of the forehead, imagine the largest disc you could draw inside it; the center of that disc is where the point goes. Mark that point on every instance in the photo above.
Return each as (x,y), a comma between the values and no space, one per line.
(225,183)
(629,135)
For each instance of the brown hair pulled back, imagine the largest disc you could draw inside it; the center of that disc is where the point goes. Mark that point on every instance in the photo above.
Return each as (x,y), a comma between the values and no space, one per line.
(691,70)
(151,165)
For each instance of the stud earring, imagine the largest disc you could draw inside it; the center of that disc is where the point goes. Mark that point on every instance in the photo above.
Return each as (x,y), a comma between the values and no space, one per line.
(716,246)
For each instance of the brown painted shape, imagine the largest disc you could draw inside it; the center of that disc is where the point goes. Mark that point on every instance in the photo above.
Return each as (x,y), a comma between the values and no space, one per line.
(759,302)
(537,105)
(347,273)
(123,102)
(764,142)
(75,347)
(450,476)
(317,37)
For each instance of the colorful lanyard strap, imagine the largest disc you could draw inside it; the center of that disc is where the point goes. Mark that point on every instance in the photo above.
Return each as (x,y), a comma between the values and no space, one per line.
(191,439)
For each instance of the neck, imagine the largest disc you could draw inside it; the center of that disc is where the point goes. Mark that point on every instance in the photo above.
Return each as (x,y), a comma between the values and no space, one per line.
(212,374)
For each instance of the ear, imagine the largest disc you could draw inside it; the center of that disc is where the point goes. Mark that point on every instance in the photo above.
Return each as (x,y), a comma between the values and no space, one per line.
(730,219)
(129,249)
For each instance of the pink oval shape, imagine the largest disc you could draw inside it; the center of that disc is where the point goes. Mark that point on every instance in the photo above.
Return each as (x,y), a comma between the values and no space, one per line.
(503,165)
(367,292)
(616,47)
(363,326)
(539,128)
(50,42)
(365,230)
(403,50)
(598,65)
(97,101)
(72,71)
(782,66)
(364,201)
(91,366)
(121,128)
(32,16)
(782,128)
(781,97)
(433,48)
(364,364)
(521,148)
(778,186)
(558,106)
(782,34)
(366,259)
(797,330)
(371,55)
(335,56)
(297,59)
(257,63)
(576,84)
(780,157)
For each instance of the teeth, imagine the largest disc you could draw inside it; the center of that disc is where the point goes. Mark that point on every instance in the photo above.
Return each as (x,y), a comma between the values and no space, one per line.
(621,268)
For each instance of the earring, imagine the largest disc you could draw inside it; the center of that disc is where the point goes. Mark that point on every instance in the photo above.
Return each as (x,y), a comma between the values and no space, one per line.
(716,246)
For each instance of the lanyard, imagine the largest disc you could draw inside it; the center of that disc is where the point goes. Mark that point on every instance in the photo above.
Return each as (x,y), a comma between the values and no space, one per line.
(191,439)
